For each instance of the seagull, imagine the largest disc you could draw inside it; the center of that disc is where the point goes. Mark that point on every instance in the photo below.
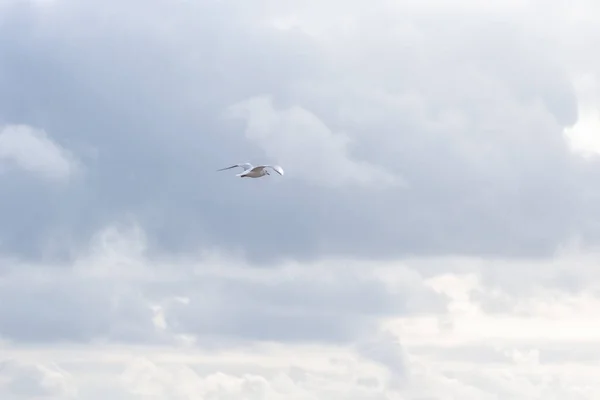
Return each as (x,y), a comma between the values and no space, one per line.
(250,171)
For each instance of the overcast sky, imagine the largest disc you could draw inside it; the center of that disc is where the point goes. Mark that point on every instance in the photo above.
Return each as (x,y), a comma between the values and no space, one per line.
(434,237)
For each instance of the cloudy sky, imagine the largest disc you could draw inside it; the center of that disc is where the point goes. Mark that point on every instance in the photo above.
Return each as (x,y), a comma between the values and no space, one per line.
(436,235)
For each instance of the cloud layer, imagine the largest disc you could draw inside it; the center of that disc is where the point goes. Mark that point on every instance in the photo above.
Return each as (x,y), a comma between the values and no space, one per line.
(435,234)
(119,324)
(457,123)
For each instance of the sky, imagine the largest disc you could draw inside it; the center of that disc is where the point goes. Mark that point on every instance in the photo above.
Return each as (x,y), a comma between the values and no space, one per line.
(435,236)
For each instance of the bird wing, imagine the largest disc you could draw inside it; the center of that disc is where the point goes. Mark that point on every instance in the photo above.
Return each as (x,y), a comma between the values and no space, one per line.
(245,166)
(257,168)
(275,168)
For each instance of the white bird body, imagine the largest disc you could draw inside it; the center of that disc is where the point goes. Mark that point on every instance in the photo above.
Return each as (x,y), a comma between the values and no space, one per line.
(251,171)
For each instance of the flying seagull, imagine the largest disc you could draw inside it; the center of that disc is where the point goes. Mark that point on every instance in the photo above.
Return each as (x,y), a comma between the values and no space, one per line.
(250,171)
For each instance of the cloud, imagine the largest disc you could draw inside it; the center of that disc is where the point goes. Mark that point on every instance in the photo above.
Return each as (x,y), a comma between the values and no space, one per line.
(23,380)
(32,150)
(146,325)
(329,283)
(482,355)
(297,138)
(582,135)
(383,348)
(116,292)
(448,107)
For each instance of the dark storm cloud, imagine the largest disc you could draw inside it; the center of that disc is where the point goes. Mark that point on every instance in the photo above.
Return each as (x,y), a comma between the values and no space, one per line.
(137,91)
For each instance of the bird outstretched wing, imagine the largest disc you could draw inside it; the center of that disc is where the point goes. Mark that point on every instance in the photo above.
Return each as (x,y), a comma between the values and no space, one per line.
(275,168)
(245,166)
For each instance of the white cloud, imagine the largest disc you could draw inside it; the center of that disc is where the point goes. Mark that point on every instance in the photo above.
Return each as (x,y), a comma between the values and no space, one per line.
(298,139)
(465,362)
(531,346)
(34,151)
(584,135)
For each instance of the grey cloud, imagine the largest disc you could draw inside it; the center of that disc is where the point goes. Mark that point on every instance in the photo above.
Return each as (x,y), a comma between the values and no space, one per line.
(583,353)
(138,91)
(66,309)
(383,348)
(506,284)
(477,353)
(20,380)
(296,310)
(545,353)
(301,141)
(57,305)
